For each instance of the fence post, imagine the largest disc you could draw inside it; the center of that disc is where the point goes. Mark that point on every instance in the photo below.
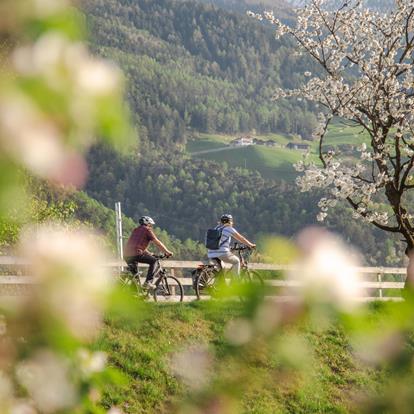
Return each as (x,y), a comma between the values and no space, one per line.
(119,244)
(379,276)
(173,289)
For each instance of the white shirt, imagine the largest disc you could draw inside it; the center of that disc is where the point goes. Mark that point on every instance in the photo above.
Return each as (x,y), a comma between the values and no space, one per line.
(225,241)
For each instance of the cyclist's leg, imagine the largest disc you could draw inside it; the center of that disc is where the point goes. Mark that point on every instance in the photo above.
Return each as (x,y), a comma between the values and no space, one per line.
(233,260)
(217,261)
(152,262)
(132,262)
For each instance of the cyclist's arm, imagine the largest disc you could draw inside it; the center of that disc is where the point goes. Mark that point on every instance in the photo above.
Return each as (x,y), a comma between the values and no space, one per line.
(161,246)
(242,239)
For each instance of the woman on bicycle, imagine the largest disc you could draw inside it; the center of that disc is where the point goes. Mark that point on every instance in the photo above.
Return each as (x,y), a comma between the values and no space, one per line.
(136,248)
(223,252)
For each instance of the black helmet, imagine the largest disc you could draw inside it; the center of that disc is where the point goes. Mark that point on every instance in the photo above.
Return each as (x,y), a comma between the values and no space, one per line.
(146,220)
(226,218)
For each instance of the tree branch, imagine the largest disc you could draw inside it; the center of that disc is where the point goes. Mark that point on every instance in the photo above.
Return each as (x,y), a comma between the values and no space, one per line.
(379,225)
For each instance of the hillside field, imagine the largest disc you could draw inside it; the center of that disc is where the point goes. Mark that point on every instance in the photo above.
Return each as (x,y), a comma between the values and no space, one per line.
(270,162)
(143,348)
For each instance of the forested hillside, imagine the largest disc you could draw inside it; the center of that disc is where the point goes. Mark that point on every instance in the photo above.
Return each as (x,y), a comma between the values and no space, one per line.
(194,66)
(78,209)
(374,4)
(186,197)
(282,7)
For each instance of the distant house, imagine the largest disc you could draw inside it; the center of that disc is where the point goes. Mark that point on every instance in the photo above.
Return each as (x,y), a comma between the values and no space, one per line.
(258,141)
(241,142)
(298,146)
(270,143)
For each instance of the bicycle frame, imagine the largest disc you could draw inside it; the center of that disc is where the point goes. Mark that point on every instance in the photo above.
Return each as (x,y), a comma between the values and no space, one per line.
(159,272)
(244,264)
(164,285)
(218,267)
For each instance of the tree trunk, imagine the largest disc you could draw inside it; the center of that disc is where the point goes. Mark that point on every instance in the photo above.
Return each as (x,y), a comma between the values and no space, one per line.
(409,282)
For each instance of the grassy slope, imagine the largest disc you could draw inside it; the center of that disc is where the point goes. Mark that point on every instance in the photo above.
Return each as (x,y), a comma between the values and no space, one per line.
(270,162)
(141,350)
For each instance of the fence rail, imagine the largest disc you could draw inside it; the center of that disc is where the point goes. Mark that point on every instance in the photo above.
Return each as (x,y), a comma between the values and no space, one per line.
(377,289)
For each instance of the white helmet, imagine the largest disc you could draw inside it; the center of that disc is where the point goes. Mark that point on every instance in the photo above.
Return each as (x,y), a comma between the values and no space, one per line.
(226,218)
(146,220)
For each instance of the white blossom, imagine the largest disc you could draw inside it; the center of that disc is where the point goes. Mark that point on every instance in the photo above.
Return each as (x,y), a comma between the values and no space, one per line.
(193,366)
(328,269)
(115,410)
(23,407)
(6,388)
(48,145)
(91,362)
(239,331)
(321,216)
(46,378)
(69,261)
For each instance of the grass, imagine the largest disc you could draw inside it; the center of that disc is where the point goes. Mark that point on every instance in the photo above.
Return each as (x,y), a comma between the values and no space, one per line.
(204,144)
(273,163)
(269,162)
(142,349)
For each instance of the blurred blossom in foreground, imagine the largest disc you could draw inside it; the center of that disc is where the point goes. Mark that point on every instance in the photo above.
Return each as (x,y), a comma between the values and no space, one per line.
(239,331)
(56,99)
(91,362)
(375,348)
(192,366)
(73,283)
(45,8)
(23,407)
(271,315)
(55,96)
(6,390)
(31,138)
(115,410)
(61,61)
(44,138)
(327,269)
(46,378)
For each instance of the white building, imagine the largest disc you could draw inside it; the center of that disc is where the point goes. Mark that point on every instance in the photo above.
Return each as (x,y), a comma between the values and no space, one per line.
(242,142)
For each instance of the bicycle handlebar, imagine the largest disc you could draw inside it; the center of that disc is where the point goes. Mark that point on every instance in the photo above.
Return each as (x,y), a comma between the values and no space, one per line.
(239,248)
(161,256)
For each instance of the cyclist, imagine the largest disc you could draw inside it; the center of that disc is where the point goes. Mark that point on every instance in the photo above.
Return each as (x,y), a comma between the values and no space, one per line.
(136,248)
(223,253)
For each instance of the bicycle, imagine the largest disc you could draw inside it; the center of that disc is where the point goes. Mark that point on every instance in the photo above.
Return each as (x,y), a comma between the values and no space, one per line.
(207,277)
(167,287)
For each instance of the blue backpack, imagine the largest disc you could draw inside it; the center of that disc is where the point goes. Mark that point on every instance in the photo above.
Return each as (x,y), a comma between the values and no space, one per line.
(213,237)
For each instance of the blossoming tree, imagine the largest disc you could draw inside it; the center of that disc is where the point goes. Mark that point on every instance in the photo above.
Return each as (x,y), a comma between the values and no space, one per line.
(366,79)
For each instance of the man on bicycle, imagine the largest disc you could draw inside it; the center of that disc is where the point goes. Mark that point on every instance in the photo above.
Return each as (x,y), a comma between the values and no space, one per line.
(136,248)
(223,253)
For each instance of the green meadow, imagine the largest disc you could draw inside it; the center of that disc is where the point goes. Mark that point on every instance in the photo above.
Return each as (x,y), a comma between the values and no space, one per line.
(143,348)
(271,162)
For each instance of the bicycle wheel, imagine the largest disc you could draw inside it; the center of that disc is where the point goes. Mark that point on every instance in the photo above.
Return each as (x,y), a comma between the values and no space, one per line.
(205,283)
(250,283)
(169,289)
(131,284)
(124,277)
(252,276)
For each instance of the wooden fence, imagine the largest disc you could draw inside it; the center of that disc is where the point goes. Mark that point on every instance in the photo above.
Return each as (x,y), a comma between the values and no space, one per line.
(380,283)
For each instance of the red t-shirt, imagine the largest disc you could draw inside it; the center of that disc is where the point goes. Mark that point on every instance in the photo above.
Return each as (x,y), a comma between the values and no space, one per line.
(139,240)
